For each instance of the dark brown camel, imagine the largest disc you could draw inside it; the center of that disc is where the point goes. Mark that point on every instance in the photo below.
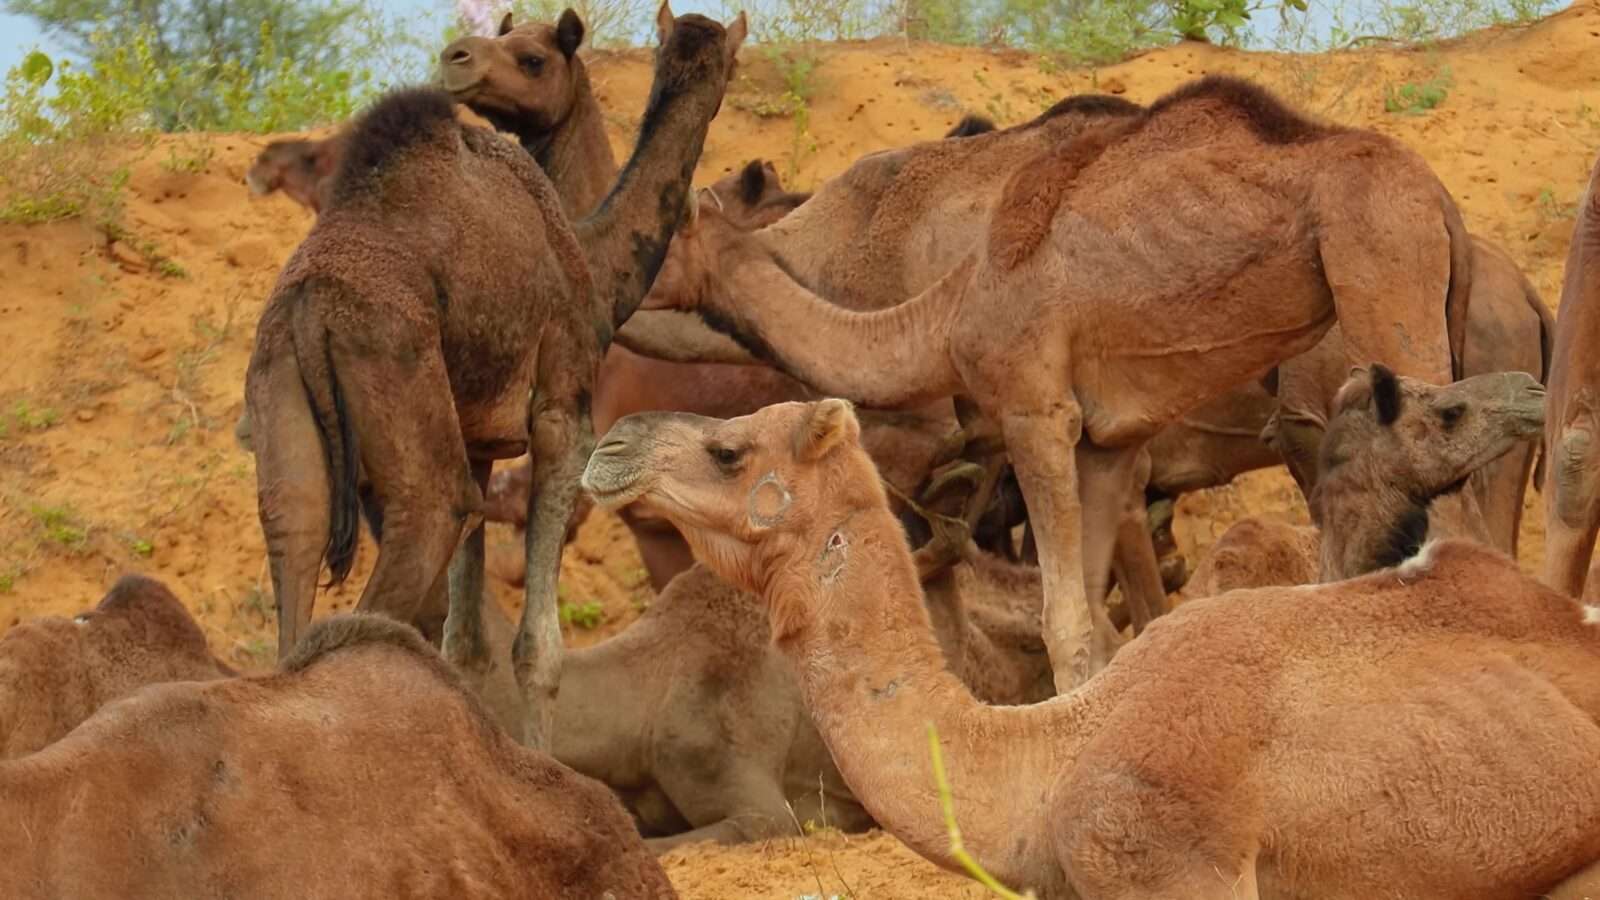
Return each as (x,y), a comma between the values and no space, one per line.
(444,272)
(55,672)
(1572,425)
(1213,236)
(362,768)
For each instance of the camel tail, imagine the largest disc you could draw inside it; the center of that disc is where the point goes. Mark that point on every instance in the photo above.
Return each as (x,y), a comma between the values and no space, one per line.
(1547,339)
(1458,294)
(321,382)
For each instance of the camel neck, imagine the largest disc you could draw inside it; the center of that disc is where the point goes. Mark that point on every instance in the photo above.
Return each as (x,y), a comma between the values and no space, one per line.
(1364,526)
(848,613)
(577,154)
(626,237)
(893,358)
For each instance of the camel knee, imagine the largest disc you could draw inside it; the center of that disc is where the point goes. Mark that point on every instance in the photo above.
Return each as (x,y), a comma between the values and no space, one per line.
(1570,478)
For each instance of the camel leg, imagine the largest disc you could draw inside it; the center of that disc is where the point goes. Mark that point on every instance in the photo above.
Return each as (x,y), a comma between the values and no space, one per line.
(464,643)
(1114,529)
(1135,563)
(1572,515)
(748,802)
(292,491)
(561,440)
(1042,444)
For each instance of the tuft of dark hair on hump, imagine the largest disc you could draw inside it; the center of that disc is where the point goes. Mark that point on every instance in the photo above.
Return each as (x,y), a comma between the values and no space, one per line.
(1270,118)
(1385,394)
(399,120)
(1091,105)
(132,588)
(970,126)
(752,181)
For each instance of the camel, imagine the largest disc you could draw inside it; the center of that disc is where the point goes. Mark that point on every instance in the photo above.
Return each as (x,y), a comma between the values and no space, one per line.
(302,169)
(55,672)
(489,314)
(1303,224)
(1311,757)
(361,768)
(1392,447)
(1572,499)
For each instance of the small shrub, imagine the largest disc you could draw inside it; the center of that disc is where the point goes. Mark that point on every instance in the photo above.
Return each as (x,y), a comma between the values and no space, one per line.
(1415,99)
(8,581)
(586,616)
(1551,209)
(59,525)
(141,547)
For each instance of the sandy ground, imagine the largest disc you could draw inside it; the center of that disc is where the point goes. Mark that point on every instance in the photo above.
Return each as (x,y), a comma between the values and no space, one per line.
(119,386)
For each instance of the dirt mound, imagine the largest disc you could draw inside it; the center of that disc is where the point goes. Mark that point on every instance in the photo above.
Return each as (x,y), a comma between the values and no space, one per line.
(122,377)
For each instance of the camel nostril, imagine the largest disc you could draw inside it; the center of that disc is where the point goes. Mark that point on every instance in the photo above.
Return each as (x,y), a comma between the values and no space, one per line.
(460,57)
(611,447)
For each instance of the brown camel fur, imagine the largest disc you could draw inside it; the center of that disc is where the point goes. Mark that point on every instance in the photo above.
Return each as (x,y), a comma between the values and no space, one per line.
(1302,225)
(1393,447)
(55,672)
(1424,731)
(302,169)
(1572,425)
(444,272)
(360,769)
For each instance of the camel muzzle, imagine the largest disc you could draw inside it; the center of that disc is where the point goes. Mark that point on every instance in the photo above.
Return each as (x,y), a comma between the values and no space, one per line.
(461,69)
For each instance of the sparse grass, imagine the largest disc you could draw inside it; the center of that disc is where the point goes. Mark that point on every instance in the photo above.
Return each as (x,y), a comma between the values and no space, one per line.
(586,616)
(24,417)
(1551,209)
(60,525)
(1416,98)
(8,580)
(141,547)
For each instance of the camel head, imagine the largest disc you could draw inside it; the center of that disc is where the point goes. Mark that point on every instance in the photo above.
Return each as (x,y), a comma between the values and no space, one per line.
(299,168)
(742,491)
(524,80)
(1422,439)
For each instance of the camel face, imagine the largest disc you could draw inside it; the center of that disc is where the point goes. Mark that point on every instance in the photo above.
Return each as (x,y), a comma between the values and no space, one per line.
(728,485)
(524,74)
(1427,438)
(298,168)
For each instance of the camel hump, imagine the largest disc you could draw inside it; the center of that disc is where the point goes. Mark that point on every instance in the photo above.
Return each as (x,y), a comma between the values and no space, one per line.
(969,126)
(1090,105)
(1272,120)
(400,120)
(351,630)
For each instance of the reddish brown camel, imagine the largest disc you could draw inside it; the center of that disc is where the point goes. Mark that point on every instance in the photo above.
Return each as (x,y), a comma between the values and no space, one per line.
(1425,731)
(444,272)
(1393,447)
(362,768)
(1080,326)
(1572,424)
(55,672)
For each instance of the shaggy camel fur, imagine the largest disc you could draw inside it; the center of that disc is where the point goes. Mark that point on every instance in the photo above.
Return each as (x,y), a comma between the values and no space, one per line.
(1572,425)
(302,169)
(361,768)
(1312,759)
(444,272)
(1392,448)
(56,672)
(1301,224)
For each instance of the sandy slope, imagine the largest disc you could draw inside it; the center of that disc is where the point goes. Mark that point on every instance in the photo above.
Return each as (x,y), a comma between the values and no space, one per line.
(119,387)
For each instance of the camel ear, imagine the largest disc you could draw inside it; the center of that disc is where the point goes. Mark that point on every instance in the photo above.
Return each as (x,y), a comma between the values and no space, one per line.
(736,35)
(830,423)
(569,32)
(752,182)
(1385,394)
(505,26)
(664,22)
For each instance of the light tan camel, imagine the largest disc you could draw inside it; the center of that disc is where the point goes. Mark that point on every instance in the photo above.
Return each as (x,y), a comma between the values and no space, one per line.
(1424,731)
(360,769)
(1572,423)
(56,672)
(444,272)
(1302,224)
(1392,448)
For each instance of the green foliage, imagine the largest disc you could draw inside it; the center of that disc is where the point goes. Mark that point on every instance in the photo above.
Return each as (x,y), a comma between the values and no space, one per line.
(8,581)
(141,547)
(60,525)
(1195,19)
(24,417)
(1551,208)
(586,616)
(1416,98)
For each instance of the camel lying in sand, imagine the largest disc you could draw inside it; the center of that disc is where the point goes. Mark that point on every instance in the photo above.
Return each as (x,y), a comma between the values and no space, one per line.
(360,769)
(55,672)
(1429,730)
(1572,426)
(1392,447)
(1310,232)
(444,272)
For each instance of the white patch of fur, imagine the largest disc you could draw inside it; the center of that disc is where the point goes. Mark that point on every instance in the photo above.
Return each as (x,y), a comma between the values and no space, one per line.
(1591,614)
(1420,563)
(80,620)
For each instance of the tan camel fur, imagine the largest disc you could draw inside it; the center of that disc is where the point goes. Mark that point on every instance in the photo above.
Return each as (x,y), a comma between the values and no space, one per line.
(360,769)
(1393,447)
(302,169)
(56,672)
(1572,424)
(1424,731)
(1302,223)
(488,314)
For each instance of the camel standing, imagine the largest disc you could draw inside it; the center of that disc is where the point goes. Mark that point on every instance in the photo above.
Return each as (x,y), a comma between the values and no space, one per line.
(360,769)
(1424,731)
(55,672)
(444,272)
(1080,327)
(1393,446)
(1572,423)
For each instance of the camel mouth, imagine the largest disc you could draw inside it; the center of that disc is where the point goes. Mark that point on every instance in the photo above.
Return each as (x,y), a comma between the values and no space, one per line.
(257,184)
(609,478)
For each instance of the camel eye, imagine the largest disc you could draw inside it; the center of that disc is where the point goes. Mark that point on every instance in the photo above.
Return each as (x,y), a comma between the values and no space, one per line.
(1451,415)
(533,65)
(726,457)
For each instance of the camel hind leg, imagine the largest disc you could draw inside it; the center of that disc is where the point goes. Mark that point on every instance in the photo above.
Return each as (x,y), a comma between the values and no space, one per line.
(1572,515)
(292,488)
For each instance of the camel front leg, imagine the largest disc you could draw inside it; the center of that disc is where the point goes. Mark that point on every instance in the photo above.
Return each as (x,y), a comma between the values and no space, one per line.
(1043,445)
(561,440)
(1137,567)
(1571,514)
(464,644)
